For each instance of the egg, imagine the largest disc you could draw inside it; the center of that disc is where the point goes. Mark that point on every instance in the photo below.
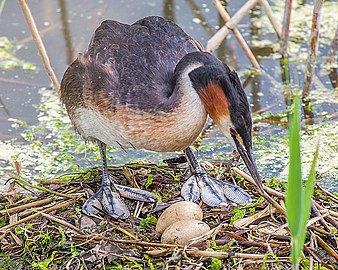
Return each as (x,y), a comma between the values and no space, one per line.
(178,211)
(182,231)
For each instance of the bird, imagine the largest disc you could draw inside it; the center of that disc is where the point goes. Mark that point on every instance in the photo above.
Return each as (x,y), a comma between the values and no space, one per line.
(149,85)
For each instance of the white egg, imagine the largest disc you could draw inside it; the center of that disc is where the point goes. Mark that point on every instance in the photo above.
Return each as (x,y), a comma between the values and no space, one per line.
(179,211)
(182,231)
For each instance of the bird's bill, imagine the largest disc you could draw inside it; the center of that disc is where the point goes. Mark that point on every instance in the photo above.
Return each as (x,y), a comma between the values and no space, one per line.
(250,163)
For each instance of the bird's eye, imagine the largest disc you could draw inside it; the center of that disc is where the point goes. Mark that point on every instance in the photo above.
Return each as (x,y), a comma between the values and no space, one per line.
(233,132)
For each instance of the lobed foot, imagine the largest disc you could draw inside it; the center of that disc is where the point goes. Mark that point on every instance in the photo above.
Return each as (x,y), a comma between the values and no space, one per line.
(212,191)
(108,199)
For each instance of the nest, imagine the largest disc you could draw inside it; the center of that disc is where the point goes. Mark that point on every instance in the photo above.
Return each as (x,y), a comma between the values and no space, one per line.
(42,227)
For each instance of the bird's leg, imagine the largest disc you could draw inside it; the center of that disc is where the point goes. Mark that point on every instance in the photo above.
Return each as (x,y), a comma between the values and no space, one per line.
(110,192)
(107,197)
(212,191)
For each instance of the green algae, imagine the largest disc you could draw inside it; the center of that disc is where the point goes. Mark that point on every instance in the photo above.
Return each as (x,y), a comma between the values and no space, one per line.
(8,60)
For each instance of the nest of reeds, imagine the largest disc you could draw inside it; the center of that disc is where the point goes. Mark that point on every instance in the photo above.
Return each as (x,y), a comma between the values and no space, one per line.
(42,226)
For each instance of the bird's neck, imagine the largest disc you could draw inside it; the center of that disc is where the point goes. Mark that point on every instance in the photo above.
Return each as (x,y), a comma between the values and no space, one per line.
(184,92)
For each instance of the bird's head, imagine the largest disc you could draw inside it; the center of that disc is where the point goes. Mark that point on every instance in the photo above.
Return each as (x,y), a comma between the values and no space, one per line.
(224,99)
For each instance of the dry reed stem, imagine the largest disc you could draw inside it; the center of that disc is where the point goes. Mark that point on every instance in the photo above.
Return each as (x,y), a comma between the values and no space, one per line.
(58,220)
(221,10)
(39,44)
(325,246)
(55,207)
(286,27)
(330,219)
(224,255)
(214,42)
(268,11)
(24,183)
(26,206)
(313,46)
(265,194)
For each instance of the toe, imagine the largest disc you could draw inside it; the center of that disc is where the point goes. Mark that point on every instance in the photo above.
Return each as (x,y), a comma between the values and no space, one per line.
(113,204)
(136,194)
(211,195)
(233,193)
(92,206)
(190,190)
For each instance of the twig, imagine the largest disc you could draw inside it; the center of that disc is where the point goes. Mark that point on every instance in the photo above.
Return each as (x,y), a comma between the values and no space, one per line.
(214,42)
(325,246)
(99,237)
(265,195)
(314,255)
(26,206)
(58,220)
(55,207)
(39,44)
(221,10)
(286,27)
(328,218)
(267,9)
(224,255)
(313,46)
(318,214)
(24,183)
(327,194)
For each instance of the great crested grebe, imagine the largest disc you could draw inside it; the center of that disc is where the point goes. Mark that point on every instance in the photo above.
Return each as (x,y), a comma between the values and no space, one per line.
(149,85)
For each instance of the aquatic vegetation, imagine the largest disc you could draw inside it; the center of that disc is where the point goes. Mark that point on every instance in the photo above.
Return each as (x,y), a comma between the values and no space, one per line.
(8,60)
(299,29)
(298,198)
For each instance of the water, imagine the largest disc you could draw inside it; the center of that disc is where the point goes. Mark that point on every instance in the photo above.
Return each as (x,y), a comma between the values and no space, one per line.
(35,130)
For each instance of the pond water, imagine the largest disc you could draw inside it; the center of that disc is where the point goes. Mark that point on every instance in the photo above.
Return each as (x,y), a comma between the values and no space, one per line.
(35,130)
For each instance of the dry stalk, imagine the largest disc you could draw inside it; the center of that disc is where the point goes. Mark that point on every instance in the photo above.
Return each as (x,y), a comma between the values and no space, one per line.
(221,10)
(24,183)
(26,206)
(286,27)
(265,194)
(313,46)
(224,255)
(326,247)
(39,44)
(268,11)
(36,215)
(61,221)
(214,42)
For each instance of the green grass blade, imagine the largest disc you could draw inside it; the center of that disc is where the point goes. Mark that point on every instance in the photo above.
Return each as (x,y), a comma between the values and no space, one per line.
(308,192)
(294,190)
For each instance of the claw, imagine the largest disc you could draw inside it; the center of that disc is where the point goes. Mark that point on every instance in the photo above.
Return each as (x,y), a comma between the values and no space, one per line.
(136,194)
(190,190)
